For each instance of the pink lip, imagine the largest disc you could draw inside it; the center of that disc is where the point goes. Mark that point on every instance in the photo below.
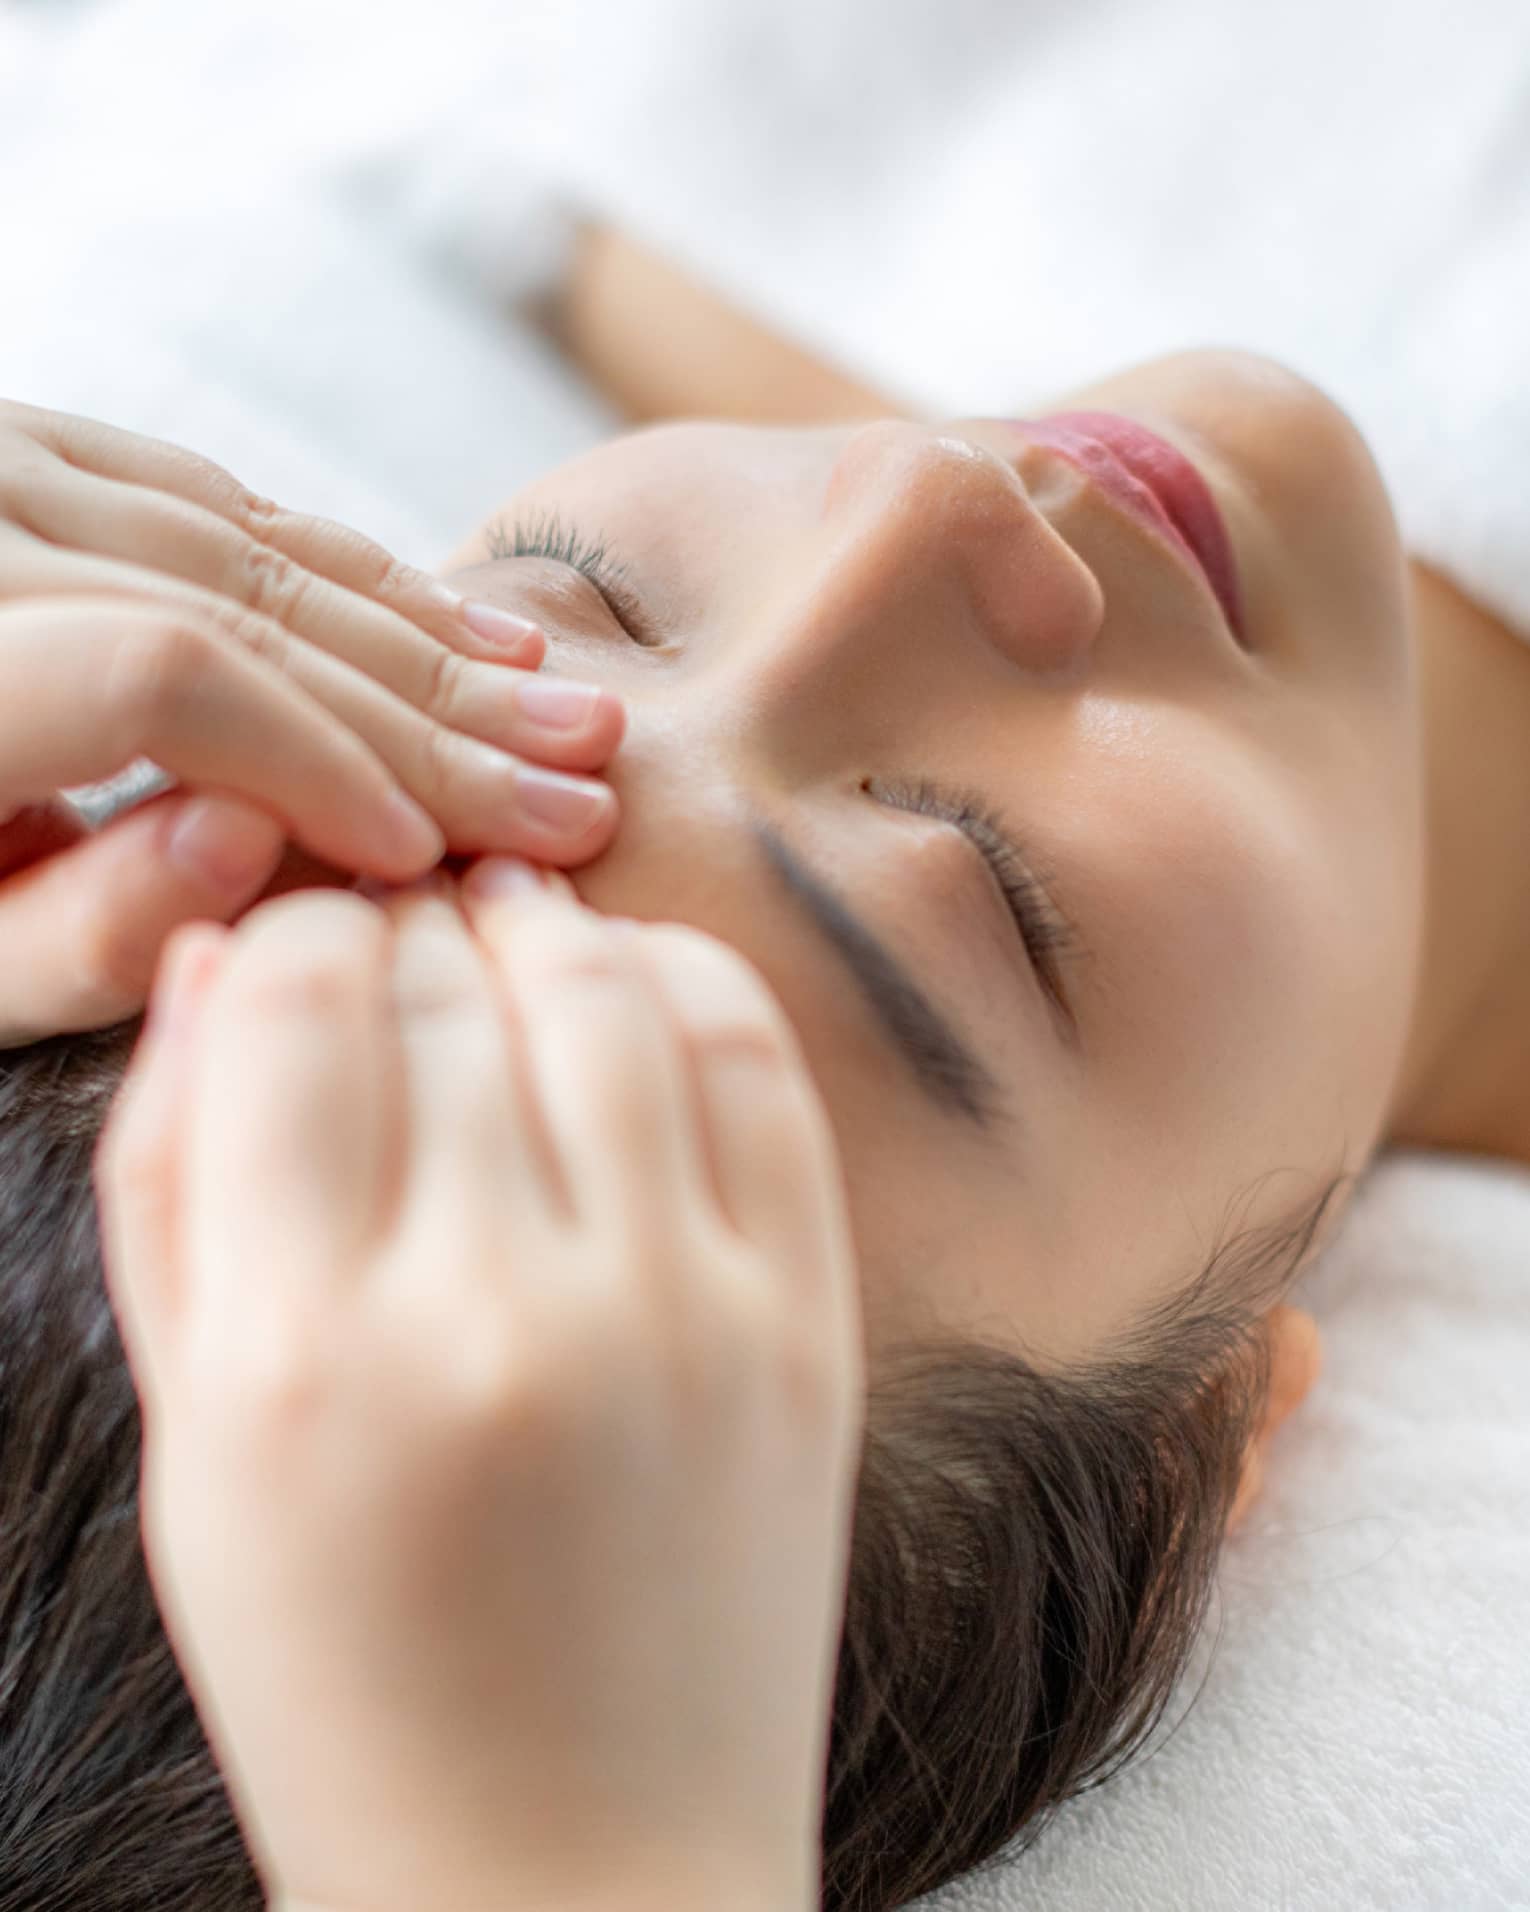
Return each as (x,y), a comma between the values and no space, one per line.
(1156,483)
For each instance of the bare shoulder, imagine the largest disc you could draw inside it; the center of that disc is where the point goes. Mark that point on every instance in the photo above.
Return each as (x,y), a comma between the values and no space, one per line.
(661,344)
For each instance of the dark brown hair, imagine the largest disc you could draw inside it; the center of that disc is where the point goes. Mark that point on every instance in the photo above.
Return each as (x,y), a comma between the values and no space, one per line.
(1032,1557)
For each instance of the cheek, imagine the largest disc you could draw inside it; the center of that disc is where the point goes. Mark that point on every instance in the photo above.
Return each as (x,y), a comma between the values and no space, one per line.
(1220,958)
(1241,1008)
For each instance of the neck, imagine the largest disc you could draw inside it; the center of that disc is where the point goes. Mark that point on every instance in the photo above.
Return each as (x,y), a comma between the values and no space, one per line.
(1464,1082)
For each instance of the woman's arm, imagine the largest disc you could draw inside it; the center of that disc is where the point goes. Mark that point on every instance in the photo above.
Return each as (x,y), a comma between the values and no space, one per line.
(693,354)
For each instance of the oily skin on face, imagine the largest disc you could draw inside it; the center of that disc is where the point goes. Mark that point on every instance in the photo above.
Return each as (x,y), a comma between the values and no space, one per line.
(1236,834)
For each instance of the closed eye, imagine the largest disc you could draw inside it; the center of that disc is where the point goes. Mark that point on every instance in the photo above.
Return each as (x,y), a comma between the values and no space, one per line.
(547,535)
(1050,939)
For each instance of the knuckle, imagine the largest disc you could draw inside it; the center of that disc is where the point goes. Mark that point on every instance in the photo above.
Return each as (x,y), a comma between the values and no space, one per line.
(443,683)
(435,995)
(311,987)
(307,957)
(342,548)
(215,482)
(489,1384)
(312,979)
(595,962)
(377,573)
(252,511)
(257,634)
(741,1038)
(272,583)
(190,472)
(595,984)
(724,1028)
(444,760)
(157,670)
(390,577)
(272,1383)
(575,944)
(236,623)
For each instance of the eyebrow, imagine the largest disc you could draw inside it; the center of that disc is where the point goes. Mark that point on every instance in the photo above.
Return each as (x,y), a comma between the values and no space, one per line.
(955,1079)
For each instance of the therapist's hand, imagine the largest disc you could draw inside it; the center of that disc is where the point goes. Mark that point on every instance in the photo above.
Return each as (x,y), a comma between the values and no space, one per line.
(488,1288)
(294,678)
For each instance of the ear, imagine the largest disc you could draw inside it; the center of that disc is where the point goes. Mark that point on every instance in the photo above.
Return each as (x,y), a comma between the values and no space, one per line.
(1296,1360)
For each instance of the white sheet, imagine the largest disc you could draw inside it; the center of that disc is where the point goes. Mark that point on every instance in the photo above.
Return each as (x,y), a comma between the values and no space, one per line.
(276,238)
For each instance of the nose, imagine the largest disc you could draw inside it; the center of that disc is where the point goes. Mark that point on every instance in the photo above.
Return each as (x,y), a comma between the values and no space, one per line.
(939,536)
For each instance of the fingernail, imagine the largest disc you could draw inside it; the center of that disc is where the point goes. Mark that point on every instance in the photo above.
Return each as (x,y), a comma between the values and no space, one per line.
(496,626)
(494,877)
(558,702)
(227,847)
(566,803)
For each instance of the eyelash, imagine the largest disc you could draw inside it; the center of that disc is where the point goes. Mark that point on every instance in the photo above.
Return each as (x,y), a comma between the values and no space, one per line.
(1047,937)
(548,536)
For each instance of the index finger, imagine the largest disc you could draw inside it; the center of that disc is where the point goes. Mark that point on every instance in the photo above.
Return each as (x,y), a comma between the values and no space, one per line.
(321,545)
(296,1110)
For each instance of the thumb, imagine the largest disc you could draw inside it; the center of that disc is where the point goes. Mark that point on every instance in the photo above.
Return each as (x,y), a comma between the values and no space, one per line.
(82,929)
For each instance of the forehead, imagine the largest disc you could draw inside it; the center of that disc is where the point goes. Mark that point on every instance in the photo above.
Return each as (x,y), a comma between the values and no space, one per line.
(717,469)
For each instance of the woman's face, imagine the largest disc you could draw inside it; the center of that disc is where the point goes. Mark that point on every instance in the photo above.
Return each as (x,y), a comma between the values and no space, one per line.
(842,615)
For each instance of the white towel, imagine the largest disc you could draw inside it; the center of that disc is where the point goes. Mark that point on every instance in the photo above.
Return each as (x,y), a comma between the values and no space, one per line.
(1362,1736)
(283,239)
